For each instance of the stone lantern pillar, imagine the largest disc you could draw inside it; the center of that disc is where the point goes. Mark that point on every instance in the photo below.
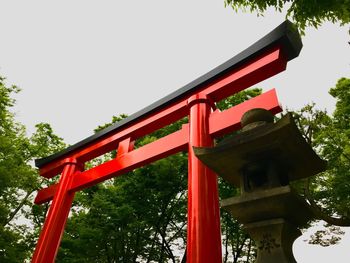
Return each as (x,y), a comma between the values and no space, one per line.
(262,160)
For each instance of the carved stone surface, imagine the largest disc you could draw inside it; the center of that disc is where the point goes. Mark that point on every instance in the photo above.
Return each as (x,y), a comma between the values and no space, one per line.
(255,118)
(274,239)
(279,142)
(278,202)
(262,160)
(272,217)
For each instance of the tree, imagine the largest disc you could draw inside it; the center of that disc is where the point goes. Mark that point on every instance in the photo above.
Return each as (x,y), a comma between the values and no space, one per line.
(18,178)
(130,219)
(329,135)
(137,216)
(304,13)
(142,215)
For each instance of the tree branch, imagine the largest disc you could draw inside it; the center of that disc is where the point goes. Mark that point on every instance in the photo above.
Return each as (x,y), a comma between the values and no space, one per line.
(20,205)
(249,250)
(184,258)
(318,211)
(335,143)
(226,246)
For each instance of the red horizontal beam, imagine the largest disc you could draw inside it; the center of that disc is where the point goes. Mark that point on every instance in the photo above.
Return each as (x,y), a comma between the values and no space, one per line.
(250,73)
(46,194)
(124,163)
(161,148)
(220,123)
(167,116)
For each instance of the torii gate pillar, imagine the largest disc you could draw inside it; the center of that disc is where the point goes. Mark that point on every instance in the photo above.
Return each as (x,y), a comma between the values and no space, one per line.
(57,215)
(203,224)
(265,58)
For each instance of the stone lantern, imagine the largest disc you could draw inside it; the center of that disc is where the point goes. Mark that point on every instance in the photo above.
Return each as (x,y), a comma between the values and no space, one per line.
(262,160)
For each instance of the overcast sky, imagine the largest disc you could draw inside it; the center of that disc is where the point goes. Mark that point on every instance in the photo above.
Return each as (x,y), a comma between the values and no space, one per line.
(81,62)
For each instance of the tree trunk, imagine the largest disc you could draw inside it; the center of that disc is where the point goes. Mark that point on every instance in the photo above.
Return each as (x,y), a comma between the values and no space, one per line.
(226,247)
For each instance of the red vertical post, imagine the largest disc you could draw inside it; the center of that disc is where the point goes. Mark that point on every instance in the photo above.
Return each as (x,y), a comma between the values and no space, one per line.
(203,230)
(51,234)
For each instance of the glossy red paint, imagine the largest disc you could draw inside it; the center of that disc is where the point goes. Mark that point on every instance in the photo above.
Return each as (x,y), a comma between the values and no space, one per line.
(160,119)
(204,241)
(250,73)
(219,123)
(125,146)
(51,234)
(203,219)
(124,163)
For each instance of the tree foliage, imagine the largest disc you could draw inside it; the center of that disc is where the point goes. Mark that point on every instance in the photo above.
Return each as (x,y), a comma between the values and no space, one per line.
(303,13)
(329,192)
(141,216)
(330,137)
(18,178)
(138,216)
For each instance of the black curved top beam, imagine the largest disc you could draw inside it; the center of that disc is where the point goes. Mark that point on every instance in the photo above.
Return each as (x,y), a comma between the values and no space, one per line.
(286,35)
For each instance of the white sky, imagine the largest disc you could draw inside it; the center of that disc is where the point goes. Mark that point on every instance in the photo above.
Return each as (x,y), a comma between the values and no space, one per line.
(80,62)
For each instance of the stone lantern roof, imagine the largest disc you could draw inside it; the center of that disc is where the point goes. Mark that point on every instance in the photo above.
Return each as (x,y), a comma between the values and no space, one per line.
(262,141)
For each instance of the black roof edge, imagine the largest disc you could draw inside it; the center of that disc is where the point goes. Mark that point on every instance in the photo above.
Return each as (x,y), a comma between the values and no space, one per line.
(285,34)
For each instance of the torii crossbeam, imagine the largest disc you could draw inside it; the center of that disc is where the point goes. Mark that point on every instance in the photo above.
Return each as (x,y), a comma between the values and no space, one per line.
(265,58)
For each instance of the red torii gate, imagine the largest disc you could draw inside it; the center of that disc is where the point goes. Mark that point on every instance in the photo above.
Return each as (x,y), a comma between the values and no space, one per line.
(265,58)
